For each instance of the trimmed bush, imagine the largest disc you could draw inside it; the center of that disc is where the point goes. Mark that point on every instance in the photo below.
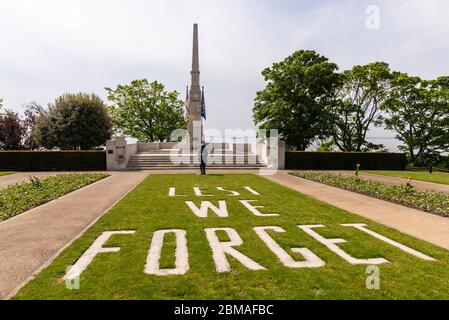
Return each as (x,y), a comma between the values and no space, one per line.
(52,160)
(74,122)
(433,202)
(24,196)
(345,160)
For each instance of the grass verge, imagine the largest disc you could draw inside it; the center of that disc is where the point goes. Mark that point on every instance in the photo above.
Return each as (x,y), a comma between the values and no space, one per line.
(433,202)
(5,173)
(436,177)
(148,208)
(18,198)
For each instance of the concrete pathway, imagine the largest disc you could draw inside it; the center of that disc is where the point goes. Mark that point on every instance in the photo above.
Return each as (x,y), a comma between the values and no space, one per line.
(420,224)
(423,185)
(31,240)
(23,176)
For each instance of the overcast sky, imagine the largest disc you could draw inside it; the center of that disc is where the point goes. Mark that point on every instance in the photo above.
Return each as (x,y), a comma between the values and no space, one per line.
(50,47)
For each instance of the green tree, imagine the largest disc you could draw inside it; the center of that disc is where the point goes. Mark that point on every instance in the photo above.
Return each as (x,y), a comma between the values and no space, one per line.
(326,146)
(418,111)
(364,90)
(297,98)
(74,121)
(32,114)
(11,131)
(146,111)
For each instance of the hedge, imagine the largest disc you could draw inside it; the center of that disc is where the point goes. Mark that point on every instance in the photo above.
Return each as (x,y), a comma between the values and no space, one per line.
(52,160)
(345,160)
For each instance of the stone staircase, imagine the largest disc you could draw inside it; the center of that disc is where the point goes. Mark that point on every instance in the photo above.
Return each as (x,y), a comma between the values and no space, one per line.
(218,159)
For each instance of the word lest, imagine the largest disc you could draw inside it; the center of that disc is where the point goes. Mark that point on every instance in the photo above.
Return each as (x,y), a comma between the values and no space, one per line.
(220,250)
(199,193)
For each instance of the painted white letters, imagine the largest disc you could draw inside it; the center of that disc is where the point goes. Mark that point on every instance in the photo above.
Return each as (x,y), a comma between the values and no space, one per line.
(220,249)
(253,209)
(172,193)
(252,191)
(152,265)
(331,244)
(199,193)
(234,193)
(311,260)
(362,227)
(97,247)
(202,211)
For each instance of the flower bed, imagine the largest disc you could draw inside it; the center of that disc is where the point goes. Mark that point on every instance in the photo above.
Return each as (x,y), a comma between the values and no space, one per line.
(21,197)
(433,202)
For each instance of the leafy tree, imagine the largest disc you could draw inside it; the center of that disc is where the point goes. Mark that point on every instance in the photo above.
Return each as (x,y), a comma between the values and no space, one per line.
(74,121)
(418,111)
(297,97)
(326,146)
(11,131)
(32,114)
(364,90)
(145,110)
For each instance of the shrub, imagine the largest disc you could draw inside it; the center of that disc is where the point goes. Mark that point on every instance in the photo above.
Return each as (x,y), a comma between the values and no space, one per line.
(433,202)
(74,121)
(24,196)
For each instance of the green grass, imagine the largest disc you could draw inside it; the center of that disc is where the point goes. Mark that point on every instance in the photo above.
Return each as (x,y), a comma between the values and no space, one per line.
(5,173)
(436,177)
(148,208)
(18,198)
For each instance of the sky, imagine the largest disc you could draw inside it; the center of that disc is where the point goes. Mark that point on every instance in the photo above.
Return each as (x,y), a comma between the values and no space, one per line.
(50,47)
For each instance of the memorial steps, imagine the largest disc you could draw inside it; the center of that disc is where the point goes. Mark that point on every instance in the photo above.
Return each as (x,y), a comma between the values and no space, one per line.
(219,159)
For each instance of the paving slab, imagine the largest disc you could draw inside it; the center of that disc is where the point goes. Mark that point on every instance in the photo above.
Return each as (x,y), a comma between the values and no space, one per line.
(417,223)
(31,240)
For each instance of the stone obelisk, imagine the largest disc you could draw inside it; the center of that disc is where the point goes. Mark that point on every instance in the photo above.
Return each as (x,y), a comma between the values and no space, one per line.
(195,120)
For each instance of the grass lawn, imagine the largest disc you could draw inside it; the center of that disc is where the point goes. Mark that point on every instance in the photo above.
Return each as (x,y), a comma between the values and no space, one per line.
(437,177)
(148,208)
(5,173)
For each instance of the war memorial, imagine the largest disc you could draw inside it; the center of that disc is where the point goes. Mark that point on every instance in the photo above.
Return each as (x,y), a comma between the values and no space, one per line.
(266,153)
(237,226)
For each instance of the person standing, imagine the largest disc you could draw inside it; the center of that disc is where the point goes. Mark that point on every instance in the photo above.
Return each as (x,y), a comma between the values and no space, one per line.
(202,155)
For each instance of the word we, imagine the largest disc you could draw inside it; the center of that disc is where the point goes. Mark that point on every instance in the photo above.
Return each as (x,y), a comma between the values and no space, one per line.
(222,249)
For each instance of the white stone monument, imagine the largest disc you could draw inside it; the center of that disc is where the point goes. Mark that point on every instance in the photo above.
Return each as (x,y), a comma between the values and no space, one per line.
(195,129)
(268,153)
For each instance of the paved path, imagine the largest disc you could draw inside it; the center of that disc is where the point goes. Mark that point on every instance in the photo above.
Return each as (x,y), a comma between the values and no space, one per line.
(423,185)
(420,224)
(29,241)
(22,176)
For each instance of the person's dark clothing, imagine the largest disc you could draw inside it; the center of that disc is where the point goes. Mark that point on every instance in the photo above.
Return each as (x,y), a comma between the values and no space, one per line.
(203,158)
